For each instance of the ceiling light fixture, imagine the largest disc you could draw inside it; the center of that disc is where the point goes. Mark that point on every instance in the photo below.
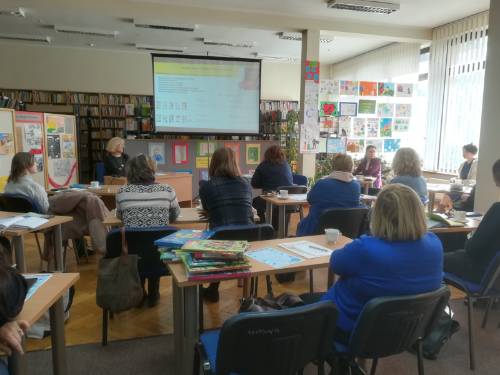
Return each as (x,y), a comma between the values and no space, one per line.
(151,47)
(264,56)
(160,26)
(17,12)
(86,31)
(298,37)
(224,43)
(367,6)
(26,38)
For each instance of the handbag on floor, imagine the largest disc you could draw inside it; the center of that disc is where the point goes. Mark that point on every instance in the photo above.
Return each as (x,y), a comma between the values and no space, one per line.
(439,335)
(119,287)
(270,303)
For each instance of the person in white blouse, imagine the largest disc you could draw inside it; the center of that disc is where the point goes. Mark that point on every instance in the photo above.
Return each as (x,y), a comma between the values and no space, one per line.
(468,169)
(20,181)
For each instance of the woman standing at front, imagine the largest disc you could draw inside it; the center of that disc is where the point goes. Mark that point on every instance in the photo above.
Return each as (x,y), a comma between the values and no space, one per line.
(115,159)
(371,166)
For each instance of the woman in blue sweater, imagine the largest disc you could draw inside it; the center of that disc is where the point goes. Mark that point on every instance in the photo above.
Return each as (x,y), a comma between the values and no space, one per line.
(399,258)
(272,173)
(338,190)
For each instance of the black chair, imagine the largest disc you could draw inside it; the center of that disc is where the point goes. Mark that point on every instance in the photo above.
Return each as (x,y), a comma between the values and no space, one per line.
(299,179)
(141,242)
(488,288)
(392,325)
(292,189)
(350,221)
(278,342)
(22,204)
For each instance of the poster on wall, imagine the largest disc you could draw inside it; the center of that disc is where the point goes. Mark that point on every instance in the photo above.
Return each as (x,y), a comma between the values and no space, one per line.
(156,151)
(385,89)
(345,126)
(180,152)
(403,110)
(358,127)
(372,125)
(348,109)
(309,131)
(204,148)
(385,110)
(401,124)
(61,155)
(355,145)
(348,88)
(329,87)
(367,88)
(7,148)
(312,71)
(253,153)
(386,127)
(367,107)
(336,145)
(392,145)
(404,90)
(328,109)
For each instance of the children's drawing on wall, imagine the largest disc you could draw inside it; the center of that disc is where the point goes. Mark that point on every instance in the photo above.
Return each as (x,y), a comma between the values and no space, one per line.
(156,152)
(6,144)
(68,146)
(39,162)
(53,146)
(32,137)
(62,167)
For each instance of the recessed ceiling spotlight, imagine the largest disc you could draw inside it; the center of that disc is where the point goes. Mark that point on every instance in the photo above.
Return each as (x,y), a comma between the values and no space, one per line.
(91,44)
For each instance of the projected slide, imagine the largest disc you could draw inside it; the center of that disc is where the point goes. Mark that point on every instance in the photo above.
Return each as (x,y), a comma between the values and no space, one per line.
(206,95)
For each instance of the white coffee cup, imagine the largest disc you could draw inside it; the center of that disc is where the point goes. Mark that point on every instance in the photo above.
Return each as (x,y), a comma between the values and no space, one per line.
(459,215)
(94,184)
(283,193)
(332,234)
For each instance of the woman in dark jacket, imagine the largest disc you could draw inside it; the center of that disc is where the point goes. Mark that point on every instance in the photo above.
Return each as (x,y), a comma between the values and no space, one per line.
(272,173)
(371,166)
(115,159)
(471,263)
(227,197)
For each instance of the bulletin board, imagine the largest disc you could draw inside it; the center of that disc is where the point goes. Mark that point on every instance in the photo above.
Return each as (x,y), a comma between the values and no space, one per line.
(194,156)
(29,137)
(62,158)
(7,149)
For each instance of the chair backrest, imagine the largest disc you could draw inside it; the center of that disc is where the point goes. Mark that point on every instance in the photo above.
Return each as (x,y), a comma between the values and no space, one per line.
(350,221)
(294,189)
(250,232)
(491,278)
(99,172)
(373,191)
(18,203)
(141,242)
(391,325)
(277,342)
(299,179)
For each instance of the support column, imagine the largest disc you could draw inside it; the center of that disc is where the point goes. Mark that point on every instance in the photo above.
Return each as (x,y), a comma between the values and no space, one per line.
(486,191)
(310,51)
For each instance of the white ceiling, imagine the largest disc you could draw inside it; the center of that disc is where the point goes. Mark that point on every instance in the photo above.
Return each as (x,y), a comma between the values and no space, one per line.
(41,15)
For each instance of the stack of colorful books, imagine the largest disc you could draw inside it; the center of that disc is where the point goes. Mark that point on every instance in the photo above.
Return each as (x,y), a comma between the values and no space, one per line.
(214,259)
(177,240)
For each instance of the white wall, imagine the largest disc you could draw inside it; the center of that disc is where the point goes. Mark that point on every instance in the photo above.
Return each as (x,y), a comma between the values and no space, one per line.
(91,70)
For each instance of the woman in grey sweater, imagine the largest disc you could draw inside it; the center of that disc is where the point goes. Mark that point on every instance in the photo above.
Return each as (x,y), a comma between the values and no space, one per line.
(21,183)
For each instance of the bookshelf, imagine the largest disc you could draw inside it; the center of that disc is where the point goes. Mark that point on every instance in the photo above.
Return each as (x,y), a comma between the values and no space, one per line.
(273,119)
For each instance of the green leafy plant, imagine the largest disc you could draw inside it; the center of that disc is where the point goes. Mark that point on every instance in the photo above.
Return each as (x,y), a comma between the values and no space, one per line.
(292,144)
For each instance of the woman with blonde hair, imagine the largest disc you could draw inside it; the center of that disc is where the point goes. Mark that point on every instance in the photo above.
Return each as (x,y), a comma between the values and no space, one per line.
(338,190)
(115,159)
(399,258)
(407,171)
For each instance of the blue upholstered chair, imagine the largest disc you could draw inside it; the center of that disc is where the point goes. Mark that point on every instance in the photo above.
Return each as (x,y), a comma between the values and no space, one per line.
(299,179)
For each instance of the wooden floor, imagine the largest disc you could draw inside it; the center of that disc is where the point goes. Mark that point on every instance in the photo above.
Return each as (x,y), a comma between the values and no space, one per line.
(84,324)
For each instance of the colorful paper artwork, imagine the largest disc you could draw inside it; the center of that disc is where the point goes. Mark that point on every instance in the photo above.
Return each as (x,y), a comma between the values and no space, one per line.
(385,110)
(325,123)
(404,90)
(367,88)
(311,96)
(180,152)
(372,125)
(367,107)
(309,138)
(378,143)
(355,145)
(32,137)
(55,124)
(156,151)
(336,145)
(401,124)
(348,88)
(68,146)
(358,127)
(312,71)
(348,109)
(392,145)
(253,153)
(204,148)
(328,109)
(235,146)
(403,110)
(6,144)
(386,127)
(345,126)
(53,146)
(329,87)
(385,89)
(202,162)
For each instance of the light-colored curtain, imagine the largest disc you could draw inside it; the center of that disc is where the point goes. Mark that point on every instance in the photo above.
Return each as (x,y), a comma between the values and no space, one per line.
(456,80)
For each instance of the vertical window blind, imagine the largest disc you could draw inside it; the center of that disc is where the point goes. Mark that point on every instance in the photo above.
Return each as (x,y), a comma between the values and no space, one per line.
(456,80)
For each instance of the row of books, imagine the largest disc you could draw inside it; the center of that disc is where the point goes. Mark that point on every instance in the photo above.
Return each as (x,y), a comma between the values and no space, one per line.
(114,99)
(279,105)
(18,95)
(113,111)
(81,98)
(206,259)
(49,97)
(113,123)
(88,110)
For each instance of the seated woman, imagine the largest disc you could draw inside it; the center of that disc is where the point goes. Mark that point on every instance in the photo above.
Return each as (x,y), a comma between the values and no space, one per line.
(399,258)
(371,166)
(20,181)
(407,171)
(272,173)
(226,197)
(115,159)
(338,190)
(468,169)
(471,262)
(143,203)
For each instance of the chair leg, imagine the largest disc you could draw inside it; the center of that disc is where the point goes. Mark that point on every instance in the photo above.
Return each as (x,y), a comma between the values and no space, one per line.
(75,251)
(420,347)
(269,285)
(311,281)
(104,341)
(39,250)
(487,312)
(374,366)
(471,333)
(301,213)
(196,361)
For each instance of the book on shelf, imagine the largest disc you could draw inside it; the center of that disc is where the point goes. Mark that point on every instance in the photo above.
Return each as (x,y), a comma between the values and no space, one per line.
(130,109)
(179,238)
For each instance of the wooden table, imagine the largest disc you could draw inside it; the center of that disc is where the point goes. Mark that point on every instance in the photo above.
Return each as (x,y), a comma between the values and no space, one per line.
(282,204)
(432,189)
(186,299)
(187,216)
(47,297)
(470,226)
(54,223)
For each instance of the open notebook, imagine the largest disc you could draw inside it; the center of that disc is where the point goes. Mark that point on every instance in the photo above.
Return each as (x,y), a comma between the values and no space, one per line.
(22,221)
